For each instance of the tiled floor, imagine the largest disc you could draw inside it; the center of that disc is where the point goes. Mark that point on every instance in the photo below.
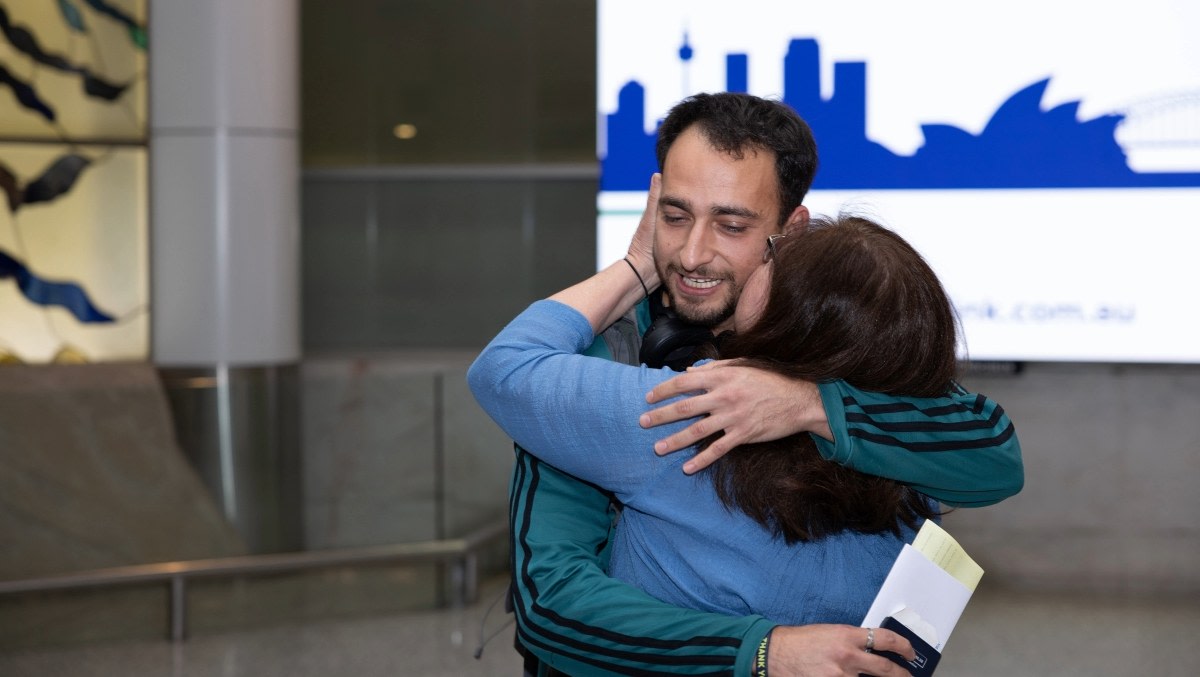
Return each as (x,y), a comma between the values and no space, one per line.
(1001,634)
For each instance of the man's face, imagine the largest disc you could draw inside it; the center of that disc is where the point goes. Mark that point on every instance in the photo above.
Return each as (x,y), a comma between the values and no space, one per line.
(714,216)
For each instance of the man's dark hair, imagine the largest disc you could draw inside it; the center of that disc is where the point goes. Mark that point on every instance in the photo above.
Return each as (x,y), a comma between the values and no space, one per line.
(734,123)
(848,300)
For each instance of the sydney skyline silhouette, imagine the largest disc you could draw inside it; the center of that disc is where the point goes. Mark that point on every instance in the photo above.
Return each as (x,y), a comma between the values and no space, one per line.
(1021,146)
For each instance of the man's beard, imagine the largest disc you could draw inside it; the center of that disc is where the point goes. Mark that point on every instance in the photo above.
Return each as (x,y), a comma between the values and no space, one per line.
(697,315)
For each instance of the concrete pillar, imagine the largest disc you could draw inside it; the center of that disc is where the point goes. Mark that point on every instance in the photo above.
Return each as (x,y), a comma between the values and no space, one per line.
(224,218)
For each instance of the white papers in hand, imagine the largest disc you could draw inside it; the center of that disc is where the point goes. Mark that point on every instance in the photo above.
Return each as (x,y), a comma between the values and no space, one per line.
(923,588)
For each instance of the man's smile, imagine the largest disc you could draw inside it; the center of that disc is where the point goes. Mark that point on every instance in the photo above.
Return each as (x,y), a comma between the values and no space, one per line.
(699,283)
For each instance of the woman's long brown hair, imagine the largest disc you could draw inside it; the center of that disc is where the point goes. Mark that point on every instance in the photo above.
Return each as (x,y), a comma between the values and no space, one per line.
(848,300)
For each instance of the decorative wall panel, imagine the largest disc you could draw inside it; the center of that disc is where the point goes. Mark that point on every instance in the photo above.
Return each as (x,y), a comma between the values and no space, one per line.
(73,226)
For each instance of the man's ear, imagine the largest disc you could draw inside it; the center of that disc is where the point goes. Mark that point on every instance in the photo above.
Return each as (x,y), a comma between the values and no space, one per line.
(797,221)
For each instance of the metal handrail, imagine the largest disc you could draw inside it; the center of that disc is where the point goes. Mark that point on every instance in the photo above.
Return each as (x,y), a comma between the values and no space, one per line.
(459,552)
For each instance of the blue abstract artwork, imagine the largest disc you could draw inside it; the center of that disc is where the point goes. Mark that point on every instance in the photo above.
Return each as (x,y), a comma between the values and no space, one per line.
(72,171)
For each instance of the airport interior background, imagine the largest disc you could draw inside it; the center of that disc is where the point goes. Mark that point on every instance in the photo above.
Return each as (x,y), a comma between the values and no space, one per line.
(340,506)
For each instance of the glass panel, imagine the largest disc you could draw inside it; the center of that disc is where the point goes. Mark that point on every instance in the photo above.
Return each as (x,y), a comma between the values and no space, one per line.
(403,263)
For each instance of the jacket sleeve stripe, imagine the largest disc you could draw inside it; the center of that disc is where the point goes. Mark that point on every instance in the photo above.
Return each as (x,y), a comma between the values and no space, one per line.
(989,423)
(536,619)
(955,445)
(908,407)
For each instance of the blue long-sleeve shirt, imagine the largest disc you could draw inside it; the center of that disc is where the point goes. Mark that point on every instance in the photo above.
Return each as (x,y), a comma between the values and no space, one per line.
(675,539)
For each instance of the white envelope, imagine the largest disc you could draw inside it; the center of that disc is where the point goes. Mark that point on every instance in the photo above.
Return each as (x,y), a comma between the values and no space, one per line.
(923,589)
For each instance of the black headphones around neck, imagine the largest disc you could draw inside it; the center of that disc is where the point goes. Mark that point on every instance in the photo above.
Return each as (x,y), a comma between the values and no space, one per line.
(670,341)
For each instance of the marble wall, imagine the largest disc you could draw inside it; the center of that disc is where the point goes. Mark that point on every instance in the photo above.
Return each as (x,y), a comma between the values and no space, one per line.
(91,475)
(395,449)
(1112,457)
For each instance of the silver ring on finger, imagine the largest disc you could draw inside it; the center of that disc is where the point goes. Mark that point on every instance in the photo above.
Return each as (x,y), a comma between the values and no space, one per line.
(870,640)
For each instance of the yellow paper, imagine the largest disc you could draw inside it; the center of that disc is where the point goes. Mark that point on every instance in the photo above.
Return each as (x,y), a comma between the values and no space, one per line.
(940,547)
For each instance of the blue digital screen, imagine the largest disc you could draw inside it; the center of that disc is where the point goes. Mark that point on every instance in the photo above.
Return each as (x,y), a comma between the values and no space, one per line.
(1044,157)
